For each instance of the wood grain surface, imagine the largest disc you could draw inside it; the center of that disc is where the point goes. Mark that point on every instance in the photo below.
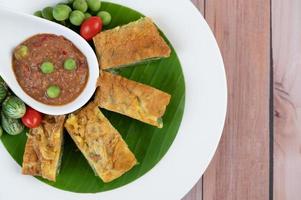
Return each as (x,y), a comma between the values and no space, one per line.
(287,116)
(240,168)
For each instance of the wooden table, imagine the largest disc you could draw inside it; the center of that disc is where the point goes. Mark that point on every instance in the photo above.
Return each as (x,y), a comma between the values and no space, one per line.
(259,156)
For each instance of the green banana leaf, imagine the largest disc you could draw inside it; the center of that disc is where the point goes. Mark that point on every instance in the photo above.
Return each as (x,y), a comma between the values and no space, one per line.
(148,143)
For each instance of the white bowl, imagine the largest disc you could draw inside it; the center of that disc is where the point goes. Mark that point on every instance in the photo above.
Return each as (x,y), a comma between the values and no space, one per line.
(19,27)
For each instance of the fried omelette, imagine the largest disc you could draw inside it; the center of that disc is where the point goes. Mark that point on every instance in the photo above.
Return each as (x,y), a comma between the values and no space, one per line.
(130,44)
(43,150)
(132,99)
(100,143)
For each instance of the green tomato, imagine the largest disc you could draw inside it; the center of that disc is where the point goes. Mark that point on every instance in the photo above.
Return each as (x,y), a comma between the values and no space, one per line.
(47,13)
(80,5)
(70,64)
(61,12)
(53,91)
(77,17)
(38,13)
(105,17)
(87,15)
(47,67)
(21,52)
(94,5)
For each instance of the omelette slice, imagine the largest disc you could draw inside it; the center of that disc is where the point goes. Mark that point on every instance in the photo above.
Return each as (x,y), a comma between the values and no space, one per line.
(31,163)
(132,99)
(130,44)
(43,150)
(100,143)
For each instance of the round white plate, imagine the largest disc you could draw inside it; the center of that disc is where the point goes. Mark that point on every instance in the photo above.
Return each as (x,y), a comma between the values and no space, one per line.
(203,120)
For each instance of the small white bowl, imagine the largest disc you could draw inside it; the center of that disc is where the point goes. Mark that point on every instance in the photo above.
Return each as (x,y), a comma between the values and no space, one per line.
(18,28)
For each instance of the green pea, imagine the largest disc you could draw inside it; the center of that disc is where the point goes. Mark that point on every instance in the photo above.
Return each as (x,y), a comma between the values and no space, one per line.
(87,15)
(21,52)
(105,17)
(70,64)
(53,91)
(38,13)
(47,67)
(80,5)
(94,5)
(61,12)
(47,13)
(77,17)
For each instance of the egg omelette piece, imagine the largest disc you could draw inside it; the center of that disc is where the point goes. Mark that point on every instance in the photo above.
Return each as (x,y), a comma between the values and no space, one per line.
(31,163)
(44,147)
(100,143)
(130,98)
(133,43)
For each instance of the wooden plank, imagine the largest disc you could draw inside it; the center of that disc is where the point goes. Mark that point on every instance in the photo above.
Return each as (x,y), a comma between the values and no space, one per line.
(200,4)
(240,168)
(286,28)
(196,191)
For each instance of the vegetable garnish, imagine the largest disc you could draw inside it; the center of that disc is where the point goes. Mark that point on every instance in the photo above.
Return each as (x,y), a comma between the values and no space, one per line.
(32,118)
(70,64)
(105,17)
(13,107)
(77,17)
(11,126)
(47,67)
(80,5)
(91,27)
(53,91)
(75,12)
(61,12)
(21,52)
(94,5)
(47,13)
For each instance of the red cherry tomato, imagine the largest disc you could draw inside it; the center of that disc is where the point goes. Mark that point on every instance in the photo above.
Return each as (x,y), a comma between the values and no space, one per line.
(32,118)
(91,27)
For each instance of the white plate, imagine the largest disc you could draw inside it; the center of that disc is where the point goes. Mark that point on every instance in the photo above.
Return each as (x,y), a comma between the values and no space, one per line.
(201,128)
